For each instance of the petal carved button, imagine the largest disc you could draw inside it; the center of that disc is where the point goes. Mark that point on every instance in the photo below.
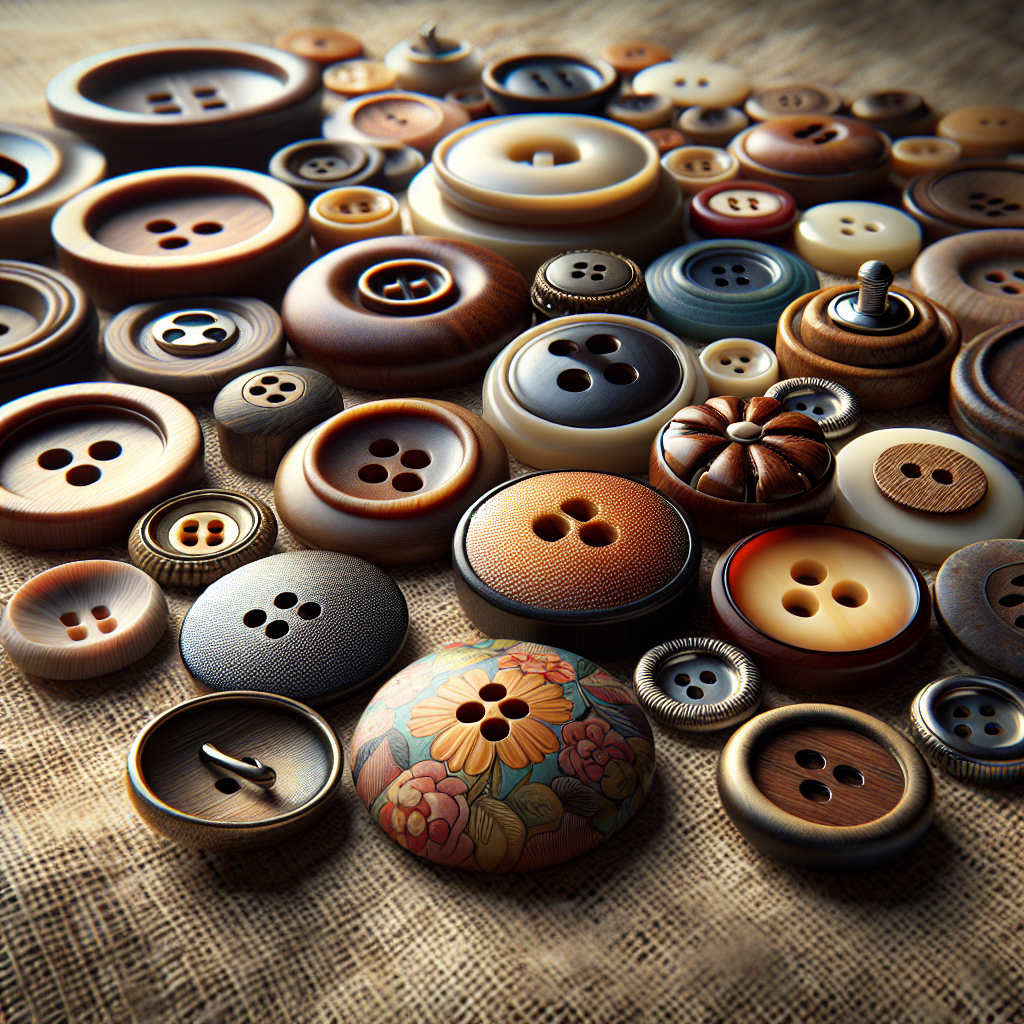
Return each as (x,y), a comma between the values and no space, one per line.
(984,133)
(541,83)
(697,167)
(739,366)
(694,83)
(351,214)
(834,408)
(310,625)
(603,559)
(395,118)
(839,237)
(896,112)
(316,165)
(323,45)
(82,619)
(359,77)
(825,787)
(633,56)
(589,281)
(788,98)
(80,463)
(712,126)
(967,196)
(743,210)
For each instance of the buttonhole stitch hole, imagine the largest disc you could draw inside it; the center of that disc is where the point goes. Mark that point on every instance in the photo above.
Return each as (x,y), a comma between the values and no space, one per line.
(276,629)
(801,603)
(227,785)
(850,594)
(816,792)
(82,476)
(583,510)
(574,380)
(494,729)
(808,572)
(492,692)
(809,759)
(469,712)
(847,775)
(286,600)
(383,448)
(407,482)
(55,458)
(694,692)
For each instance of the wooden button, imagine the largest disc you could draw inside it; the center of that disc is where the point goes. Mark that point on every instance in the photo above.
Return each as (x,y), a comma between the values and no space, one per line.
(188,103)
(39,170)
(739,366)
(567,740)
(738,466)
(929,479)
(834,408)
(359,77)
(984,133)
(405,313)
(748,210)
(82,619)
(924,537)
(589,390)
(316,165)
(839,237)
(821,608)
(589,281)
(712,126)
(191,348)
(472,99)
(388,480)
(323,45)
(233,771)
(697,167)
(431,63)
(967,197)
(640,112)
(694,83)
(825,787)
(666,139)
(603,559)
(350,214)
(919,154)
(195,538)
(786,99)
(194,231)
(540,83)
(261,415)
(896,112)
(395,118)
(634,55)
(80,463)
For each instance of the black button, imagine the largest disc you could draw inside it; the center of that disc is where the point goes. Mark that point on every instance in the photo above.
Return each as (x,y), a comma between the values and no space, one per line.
(585,273)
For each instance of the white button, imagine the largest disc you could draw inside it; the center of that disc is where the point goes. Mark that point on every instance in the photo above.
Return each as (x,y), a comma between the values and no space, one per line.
(694,83)
(739,366)
(745,202)
(839,237)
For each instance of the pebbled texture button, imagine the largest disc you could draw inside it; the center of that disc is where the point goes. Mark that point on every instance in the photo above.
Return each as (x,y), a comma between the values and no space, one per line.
(743,210)
(694,83)
(834,408)
(321,44)
(786,98)
(839,237)
(984,133)
(549,82)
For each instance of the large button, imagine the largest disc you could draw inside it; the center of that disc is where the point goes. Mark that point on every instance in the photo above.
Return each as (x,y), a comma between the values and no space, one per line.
(589,391)
(323,45)
(359,77)
(589,281)
(825,787)
(640,112)
(82,619)
(433,64)
(502,756)
(541,83)
(694,83)
(600,559)
(232,771)
(316,165)
(839,237)
(896,112)
(834,408)
(80,463)
(919,154)
(749,209)
(967,196)
(632,56)
(984,132)
(712,126)
(351,214)
(697,167)
(739,366)
(395,118)
(311,625)
(792,98)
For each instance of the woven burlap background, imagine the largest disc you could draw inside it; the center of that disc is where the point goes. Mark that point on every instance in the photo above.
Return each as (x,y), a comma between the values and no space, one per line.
(677,920)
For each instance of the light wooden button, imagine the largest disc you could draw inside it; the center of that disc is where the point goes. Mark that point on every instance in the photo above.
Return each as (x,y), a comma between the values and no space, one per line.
(323,45)
(712,126)
(589,391)
(39,170)
(785,99)
(695,83)
(349,214)
(666,139)
(739,366)
(743,210)
(80,463)
(825,787)
(696,167)
(83,619)
(431,63)
(919,154)
(395,119)
(549,82)
(967,196)
(641,112)
(896,112)
(359,77)
(315,165)
(862,504)
(182,231)
(839,237)
(589,281)
(233,771)
(634,55)
(834,408)
(984,132)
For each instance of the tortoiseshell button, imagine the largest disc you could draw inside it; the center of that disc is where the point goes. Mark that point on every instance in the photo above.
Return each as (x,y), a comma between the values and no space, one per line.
(323,45)
(549,82)
(785,99)
(984,133)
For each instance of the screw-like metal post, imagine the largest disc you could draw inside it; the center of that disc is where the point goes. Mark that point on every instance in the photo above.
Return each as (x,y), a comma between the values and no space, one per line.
(874,278)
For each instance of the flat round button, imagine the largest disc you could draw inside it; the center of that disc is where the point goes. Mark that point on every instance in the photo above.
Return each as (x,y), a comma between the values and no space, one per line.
(967,196)
(589,281)
(694,83)
(839,237)
(786,98)
(739,366)
(697,684)
(323,45)
(313,625)
(712,126)
(539,83)
(359,77)
(395,118)
(834,408)
(640,112)
(825,787)
(666,139)
(929,479)
(973,728)
(896,112)
(472,99)
(919,154)
(315,165)
(634,55)
(984,133)
(195,538)
(350,214)
(697,167)
(751,209)
(82,619)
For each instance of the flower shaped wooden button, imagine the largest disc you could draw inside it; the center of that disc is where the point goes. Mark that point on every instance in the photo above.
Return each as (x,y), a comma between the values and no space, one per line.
(739,366)
(787,98)
(896,112)
(543,83)
(825,787)
(395,119)
(502,756)
(321,44)
(834,408)
(311,625)
(971,195)
(691,82)
(588,281)
(352,213)
(601,560)
(388,481)
(80,463)
(712,126)
(82,619)
(738,466)
(743,210)
(232,771)
(839,237)
(431,63)
(984,133)
(697,167)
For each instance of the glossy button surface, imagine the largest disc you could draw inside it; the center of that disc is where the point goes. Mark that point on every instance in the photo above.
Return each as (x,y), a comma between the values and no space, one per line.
(589,281)
(739,366)
(712,126)
(984,132)
(694,83)
(696,167)
(358,77)
(834,408)
(323,45)
(315,165)
(792,98)
(896,112)
(433,63)
(344,215)
(395,118)
(743,210)
(839,237)
(547,82)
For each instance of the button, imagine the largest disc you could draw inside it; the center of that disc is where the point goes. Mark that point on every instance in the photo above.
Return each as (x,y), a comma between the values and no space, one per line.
(821,608)
(82,619)
(395,118)
(195,538)
(697,684)
(634,55)
(472,99)
(860,503)
(188,103)
(696,167)
(603,559)
(309,625)
(161,233)
(724,289)
(972,727)
(839,237)
(316,165)
(787,98)
(39,170)
(694,83)
(748,210)
(738,466)
(984,133)
(834,408)
(929,479)
(191,348)
(739,366)
(405,313)
(321,44)
(979,593)
(589,391)
(351,214)
(712,126)
(233,771)
(967,197)
(388,480)
(640,112)
(80,463)
(919,154)
(825,787)
(589,281)
(896,112)
(359,77)
(541,83)
(431,63)
(573,753)
(666,139)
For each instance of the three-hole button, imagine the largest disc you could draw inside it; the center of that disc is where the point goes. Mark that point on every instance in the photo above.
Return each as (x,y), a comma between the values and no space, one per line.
(83,473)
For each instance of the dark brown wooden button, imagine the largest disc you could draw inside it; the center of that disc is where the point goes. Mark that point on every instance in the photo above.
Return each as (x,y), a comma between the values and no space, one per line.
(984,132)
(967,196)
(323,45)
(929,479)
(785,99)
(634,55)
(316,165)
(896,112)
(549,82)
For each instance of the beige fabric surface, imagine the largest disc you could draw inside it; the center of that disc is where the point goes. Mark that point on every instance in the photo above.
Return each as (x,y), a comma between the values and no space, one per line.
(677,919)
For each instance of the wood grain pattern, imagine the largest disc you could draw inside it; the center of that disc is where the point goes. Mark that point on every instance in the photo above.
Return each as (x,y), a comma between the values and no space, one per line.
(929,479)
(970,195)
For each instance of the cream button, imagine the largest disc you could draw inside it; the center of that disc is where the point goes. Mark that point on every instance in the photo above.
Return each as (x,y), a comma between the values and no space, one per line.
(918,154)
(839,237)
(696,167)
(346,215)
(739,366)
(695,83)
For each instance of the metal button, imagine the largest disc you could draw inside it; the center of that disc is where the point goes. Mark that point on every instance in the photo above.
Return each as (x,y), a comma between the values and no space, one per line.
(834,408)
(589,273)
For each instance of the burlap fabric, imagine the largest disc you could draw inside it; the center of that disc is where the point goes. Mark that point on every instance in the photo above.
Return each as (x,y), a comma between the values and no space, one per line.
(676,920)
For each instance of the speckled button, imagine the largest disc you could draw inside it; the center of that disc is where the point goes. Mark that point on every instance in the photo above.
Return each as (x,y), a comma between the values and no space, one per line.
(792,98)
(984,133)
(839,237)
(694,83)
(834,408)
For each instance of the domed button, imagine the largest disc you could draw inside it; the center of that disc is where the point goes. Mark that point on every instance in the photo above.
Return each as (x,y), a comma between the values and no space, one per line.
(540,83)
(694,83)
(640,112)
(712,126)
(839,237)
(345,215)
(589,281)
(395,118)
(359,77)
(984,133)
(792,98)
(310,625)
(315,165)
(967,196)
(743,210)
(323,45)
(431,63)
(739,366)
(82,619)
(919,154)
(697,167)
(632,56)
(896,112)
(834,408)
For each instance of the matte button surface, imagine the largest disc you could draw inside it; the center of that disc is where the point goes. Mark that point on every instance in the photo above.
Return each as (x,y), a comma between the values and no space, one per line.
(834,408)
(395,118)
(323,45)
(968,197)
(839,237)
(641,112)
(896,112)
(694,83)
(314,165)
(712,126)
(785,99)
(739,366)
(929,479)
(918,154)
(984,132)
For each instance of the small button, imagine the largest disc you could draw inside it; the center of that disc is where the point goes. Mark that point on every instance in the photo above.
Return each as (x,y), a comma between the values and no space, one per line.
(344,215)
(834,408)
(549,82)
(634,55)
(395,118)
(359,77)
(896,112)
(666,139)
(640,112)
(323,45)
(472,99)
(694,83)
(739,366)
(984,133)
(712,126)
(792,98)
(316,165)
(967,197)
(313,625)
(696,167)
(589,281)
(839,237)
(432,63)
(919,154)
(743,210)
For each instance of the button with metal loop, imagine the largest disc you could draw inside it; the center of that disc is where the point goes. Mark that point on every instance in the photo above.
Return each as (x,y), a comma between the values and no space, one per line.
(834,408)
(249,768)
(433,64)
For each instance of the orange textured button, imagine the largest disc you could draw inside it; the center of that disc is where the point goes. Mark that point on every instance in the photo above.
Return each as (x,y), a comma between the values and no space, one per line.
(984,132)
(324,45)
(634,55)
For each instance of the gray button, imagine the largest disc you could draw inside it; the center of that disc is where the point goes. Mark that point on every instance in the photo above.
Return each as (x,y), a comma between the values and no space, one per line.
(587,273)
(834,408)
(732,271)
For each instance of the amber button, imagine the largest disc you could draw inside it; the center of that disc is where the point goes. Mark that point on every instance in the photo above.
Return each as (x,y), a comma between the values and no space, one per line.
(548,83)
(968,196)
(352,213)
(396,118)
(785,99)
(918,154)
(984,133)
(358,77)
(634,55)
(323,45)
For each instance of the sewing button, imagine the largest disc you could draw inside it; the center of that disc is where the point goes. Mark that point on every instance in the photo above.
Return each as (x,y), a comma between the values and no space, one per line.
(697,167)
(589,391)
(395,118)
(603,560)
(825,787)
(311,625)
(984,133)
(839,237)
(323,45)
(195,538)
(316,165)
(694,83)
(472,99)
(743,210)
(725,288)
(973,728)
(792,98)
(82,619)
(350,214)
(896,112)
(929,479)
(542,83)
(432,64)
(666,139)
(834,408)
(712,126)
(633,56)
(589,281)
(967,196)
(359,77)
(502,756)
(739,366)
(233,771)
(919,154)
(80,463)
(640,112)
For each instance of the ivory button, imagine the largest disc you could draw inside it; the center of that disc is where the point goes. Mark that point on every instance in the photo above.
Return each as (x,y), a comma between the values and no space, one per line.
(431,63)
(359,77)
(634,55)
(640,112)
(694,83)
(743,210)
(984,133)
(967,196)
(792,98)
(712,126)
(549,82)
(697,167)
(839,237)
(323,45)
(395,118)
(834,408)
(918,154)
(739,366)
(349,214)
